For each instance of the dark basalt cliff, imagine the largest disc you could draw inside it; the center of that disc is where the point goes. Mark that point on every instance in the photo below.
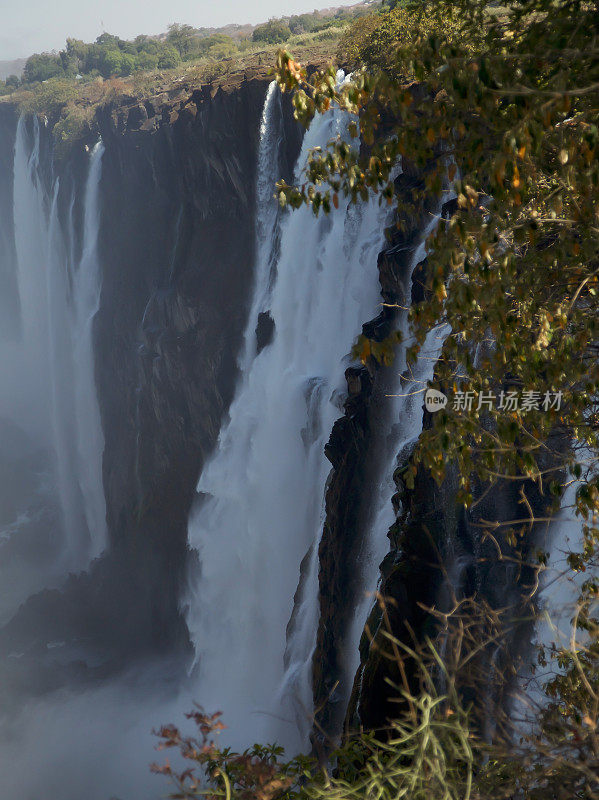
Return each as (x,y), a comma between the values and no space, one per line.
(437,553)
(354,449)
(438,557)
(176,241)
(8,310)
(442,554)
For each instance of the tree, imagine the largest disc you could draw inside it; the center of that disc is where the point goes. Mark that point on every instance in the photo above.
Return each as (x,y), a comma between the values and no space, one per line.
(145,44)
(146,61)
(74,56)
(514,128)
(108,40)
(271,32)
(183,38)
(303,23)
(112,62)
(502,105)
(128,64)
(42,67)
(218,45)
(169,58)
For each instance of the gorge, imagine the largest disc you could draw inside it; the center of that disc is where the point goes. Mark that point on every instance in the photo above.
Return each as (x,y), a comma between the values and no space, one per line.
(200,482)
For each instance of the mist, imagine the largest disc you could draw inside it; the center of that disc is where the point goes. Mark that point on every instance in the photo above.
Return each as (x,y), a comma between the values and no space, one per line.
(96,744)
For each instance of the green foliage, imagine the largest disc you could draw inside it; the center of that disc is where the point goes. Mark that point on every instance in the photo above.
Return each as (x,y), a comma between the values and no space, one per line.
(183,38)
(302,23)
(70,128)
(148,61)
(110,56)
(169,58)
(354,39)
(42,67)
(192,44)
(49,98)
(115,62)
(505,113)
(375,39)
(515,130)
(216,46)
(272,32)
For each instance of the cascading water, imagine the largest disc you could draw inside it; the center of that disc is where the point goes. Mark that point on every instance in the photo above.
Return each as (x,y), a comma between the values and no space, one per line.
(406,417)
(262,494)
(48,368)
(558,596)
(86,303)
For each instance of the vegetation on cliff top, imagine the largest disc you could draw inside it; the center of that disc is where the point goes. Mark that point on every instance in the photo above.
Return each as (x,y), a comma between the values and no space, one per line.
(67,87)
(110,56)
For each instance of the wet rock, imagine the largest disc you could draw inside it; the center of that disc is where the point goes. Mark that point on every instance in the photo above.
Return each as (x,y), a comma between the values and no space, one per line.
(136,117)
(265,330)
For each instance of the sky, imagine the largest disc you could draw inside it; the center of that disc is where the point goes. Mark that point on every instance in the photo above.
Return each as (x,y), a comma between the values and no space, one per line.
(33,26)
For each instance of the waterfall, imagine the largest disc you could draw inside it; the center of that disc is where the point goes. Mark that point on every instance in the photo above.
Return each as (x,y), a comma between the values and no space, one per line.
(559,591)
(261,496)
(86,302)
(48,371)
(406,387)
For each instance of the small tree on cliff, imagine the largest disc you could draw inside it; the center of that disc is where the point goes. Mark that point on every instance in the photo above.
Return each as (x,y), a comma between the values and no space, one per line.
(510,120)
(514,127)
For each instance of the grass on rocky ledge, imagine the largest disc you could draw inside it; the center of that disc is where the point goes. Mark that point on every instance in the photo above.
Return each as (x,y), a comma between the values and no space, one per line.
(54,94)
(71,105)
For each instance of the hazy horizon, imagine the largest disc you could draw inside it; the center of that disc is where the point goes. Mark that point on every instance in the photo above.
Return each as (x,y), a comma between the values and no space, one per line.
(28,27)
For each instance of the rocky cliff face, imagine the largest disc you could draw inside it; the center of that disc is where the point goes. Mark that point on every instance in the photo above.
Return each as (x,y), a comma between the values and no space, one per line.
(176,244)
(354,449)
(8,299)
(179,268)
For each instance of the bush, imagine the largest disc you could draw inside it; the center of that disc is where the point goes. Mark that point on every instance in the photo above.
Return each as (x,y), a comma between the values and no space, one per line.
(50,97)
(216,46)
(373,40)
(70,128)
(169,58)
(147,61)
(110,63)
